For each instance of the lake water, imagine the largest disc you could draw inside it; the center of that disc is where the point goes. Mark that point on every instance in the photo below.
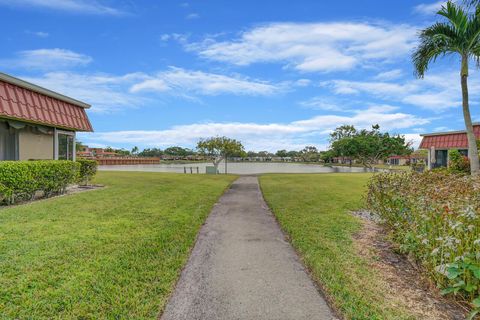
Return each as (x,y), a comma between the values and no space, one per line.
(236,168)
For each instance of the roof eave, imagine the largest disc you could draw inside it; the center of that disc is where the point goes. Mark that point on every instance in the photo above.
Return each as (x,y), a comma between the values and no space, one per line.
(33,87)
(47,124)
(447,132)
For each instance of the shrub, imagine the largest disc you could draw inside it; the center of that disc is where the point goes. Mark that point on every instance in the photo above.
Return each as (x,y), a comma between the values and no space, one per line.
(88,169)
(458,163)
(20,180)
(434,217)
(418,166)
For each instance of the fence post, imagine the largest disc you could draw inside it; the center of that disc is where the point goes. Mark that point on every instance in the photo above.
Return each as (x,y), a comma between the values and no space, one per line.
(184,169)
(191,170)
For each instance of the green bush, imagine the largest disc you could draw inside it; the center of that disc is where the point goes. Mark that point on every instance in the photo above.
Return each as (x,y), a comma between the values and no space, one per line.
(88,169)
(20,180)
(434,217)
(419,166)
(458,163)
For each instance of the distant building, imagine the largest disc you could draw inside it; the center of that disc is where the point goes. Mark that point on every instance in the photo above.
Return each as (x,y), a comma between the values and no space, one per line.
(37,123)
(398,160)
(438,145)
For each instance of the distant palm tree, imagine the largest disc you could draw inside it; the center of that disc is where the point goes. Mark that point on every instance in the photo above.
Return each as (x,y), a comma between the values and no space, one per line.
(458,35)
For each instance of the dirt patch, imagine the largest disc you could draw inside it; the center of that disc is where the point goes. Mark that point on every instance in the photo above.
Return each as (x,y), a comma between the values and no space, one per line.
(403,279)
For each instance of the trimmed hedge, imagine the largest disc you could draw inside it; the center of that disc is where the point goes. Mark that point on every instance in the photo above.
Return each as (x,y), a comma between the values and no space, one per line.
(434,217)
(21,180)
(88,169)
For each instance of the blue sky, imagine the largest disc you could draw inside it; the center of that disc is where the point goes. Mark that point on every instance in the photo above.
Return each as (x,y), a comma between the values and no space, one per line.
(274,74)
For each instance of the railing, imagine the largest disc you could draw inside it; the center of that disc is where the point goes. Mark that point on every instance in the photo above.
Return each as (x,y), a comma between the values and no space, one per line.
(191,169)
(126,161)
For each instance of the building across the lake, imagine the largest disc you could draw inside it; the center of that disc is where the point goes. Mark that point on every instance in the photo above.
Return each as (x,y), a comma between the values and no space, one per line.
(37,123)
(438,145)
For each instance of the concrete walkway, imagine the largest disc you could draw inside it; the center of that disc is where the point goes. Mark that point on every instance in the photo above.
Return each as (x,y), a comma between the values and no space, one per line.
(243,268)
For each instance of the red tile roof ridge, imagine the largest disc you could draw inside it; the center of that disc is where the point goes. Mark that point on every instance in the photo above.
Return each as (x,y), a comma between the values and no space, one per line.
(475,124)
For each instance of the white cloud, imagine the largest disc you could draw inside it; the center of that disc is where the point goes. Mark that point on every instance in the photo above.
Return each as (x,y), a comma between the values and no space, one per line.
(181,81)
(76,6)
(270,136)
(312,47)
(303,82)
(429,8)
(180,38)
(106,93)
(321,103)
(389,75)
(414,139)
(192,16)
(47,59)
(113,93)
(437,92)
(39,34)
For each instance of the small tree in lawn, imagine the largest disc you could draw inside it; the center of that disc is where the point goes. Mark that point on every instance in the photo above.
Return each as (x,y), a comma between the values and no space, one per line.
(369,146)
(310,154)
(219,148)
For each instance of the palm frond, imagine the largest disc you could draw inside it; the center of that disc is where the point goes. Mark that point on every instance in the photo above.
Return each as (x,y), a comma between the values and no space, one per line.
(473,31)
(435,41)
(456,15)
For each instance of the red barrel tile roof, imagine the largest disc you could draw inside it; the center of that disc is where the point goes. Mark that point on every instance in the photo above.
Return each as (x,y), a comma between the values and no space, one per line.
(17,102)
(448,140)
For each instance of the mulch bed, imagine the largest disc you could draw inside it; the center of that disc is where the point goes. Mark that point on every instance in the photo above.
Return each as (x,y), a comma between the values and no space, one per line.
(404,279)
(70,190)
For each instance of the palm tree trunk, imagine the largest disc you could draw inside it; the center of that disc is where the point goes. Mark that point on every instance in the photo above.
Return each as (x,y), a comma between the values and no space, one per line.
(472,141)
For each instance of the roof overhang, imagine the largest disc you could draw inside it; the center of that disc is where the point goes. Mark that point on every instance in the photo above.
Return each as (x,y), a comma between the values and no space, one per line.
(41,90)
(446,132)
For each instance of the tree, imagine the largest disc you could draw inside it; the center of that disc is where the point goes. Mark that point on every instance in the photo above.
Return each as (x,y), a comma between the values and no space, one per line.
(327,156)
(134,150)
(370,146)
(122,152)
(264,154)
(292,154)
(282,153)
(178,152)
(154,152)
(79,146)
(459,35)
(341,132)
(219,148)
(309,154)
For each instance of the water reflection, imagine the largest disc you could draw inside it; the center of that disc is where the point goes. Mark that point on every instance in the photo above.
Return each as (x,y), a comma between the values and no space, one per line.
(237,168)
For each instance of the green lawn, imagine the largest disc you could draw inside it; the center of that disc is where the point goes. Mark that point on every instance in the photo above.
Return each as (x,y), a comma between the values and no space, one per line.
(113,253)
(313,211)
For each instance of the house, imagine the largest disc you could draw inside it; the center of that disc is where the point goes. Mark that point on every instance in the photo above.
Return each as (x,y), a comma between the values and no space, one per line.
(418,156)
(398,160)
(438,145)
(36,123)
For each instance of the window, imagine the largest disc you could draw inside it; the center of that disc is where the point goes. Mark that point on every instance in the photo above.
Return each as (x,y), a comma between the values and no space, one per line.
(441,157)
(64,145)
(463,152)
(8,142)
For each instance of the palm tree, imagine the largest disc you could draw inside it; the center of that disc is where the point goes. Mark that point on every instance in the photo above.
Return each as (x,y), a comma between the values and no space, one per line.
(458,35)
